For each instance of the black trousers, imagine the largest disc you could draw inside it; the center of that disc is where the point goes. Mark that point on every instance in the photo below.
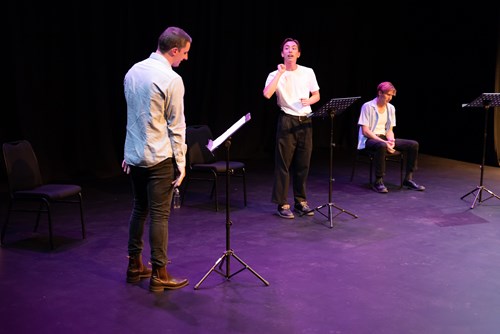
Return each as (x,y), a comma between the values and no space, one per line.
(292,157)
(407,146)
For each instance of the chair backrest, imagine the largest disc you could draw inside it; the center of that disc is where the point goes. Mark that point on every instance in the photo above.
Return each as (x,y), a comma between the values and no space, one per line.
(197,137)
(21,166)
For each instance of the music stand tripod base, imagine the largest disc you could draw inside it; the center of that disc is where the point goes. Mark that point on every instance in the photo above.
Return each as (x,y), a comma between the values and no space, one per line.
(226,257)
(330,215)
(478,199)
(486,100)
(333,107)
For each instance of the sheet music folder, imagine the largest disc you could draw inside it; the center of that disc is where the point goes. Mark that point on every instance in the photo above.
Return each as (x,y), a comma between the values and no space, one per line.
(213,144)
(485,100)
(335,106)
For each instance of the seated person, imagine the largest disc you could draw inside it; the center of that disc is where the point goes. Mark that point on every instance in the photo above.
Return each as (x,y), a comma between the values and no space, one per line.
(376,122)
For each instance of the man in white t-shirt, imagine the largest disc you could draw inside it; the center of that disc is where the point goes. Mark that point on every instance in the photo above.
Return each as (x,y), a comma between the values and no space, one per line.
(296,90)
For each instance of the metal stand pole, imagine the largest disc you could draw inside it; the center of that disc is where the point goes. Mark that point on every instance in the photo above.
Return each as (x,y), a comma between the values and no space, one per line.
(330,204)
(228,253)
(480,188)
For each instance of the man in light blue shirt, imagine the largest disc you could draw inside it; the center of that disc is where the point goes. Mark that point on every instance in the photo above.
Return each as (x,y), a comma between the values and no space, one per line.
(155,153)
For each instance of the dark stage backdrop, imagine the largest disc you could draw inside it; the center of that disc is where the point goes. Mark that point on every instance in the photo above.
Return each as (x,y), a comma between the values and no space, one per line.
(65,65)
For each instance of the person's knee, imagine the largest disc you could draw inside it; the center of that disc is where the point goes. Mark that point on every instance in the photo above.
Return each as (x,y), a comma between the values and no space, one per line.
(415,145)
(381,147)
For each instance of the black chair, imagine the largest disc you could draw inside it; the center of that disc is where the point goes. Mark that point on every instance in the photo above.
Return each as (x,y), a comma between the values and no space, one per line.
(202,165)
(25,184)
(367,156)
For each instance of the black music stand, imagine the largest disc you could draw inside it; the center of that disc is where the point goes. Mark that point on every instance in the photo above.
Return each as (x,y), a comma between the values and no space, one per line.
(333,108)
(486,100)
(228,253)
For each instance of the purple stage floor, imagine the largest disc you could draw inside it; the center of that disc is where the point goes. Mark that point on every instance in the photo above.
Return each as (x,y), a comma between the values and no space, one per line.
(411,262)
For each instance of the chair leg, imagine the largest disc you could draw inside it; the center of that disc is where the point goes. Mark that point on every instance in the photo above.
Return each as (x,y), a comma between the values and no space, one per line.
(216,196)
(354,162)
(84,234)
(401,172)
(214,191)
(4,229)
(244,189)
(49,216)
(39,214)
(371,170)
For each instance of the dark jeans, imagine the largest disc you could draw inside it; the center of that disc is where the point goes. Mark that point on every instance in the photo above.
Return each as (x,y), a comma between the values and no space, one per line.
(292,157)
(152,189)
(407,146)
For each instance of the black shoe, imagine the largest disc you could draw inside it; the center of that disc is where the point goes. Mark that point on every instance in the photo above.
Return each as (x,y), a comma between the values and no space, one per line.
(410,184)
(380,188)
(303,208)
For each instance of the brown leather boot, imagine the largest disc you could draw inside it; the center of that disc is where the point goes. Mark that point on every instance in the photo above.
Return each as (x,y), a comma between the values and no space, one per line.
(161,280)
(136,269)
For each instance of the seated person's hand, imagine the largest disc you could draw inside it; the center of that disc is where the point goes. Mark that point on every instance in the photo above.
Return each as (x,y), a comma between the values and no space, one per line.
(390,145)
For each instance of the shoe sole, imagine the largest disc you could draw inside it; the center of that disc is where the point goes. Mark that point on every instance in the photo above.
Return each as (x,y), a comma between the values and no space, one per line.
(163,288)
(380,191)
(416,189)
(307,213)
(286,217)
(137,279)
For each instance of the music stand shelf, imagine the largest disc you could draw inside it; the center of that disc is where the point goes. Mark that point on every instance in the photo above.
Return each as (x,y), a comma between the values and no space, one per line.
(485,101)
(332,108)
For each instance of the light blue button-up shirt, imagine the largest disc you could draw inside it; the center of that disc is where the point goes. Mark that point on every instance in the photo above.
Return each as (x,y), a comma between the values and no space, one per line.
(369,117)
(156,126)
